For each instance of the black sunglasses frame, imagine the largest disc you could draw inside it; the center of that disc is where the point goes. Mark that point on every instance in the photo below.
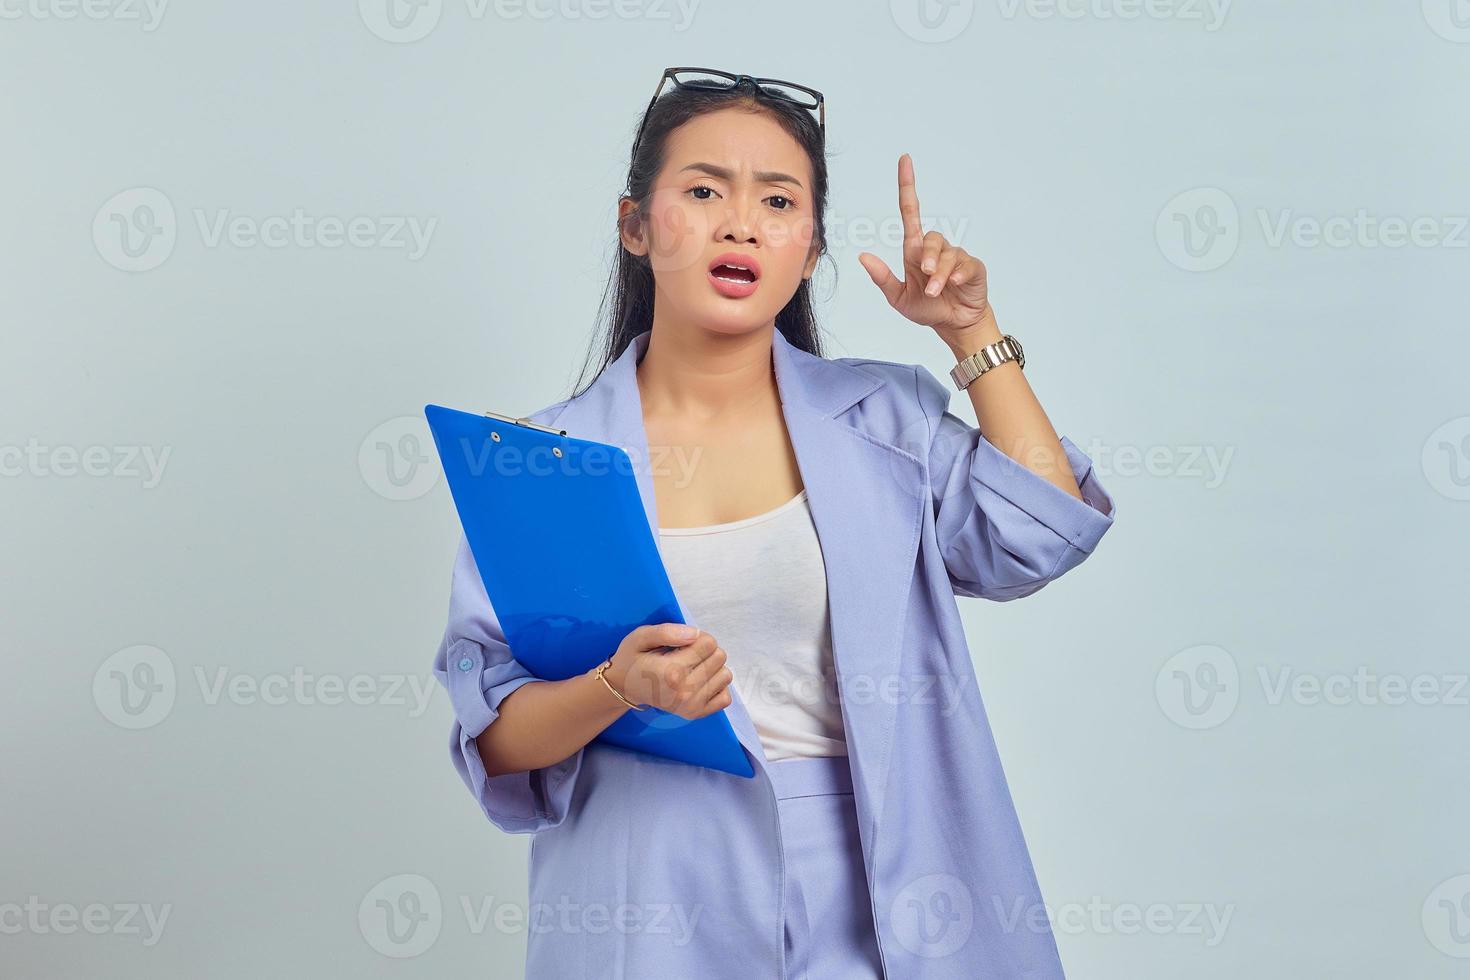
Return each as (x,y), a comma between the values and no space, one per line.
(671,74)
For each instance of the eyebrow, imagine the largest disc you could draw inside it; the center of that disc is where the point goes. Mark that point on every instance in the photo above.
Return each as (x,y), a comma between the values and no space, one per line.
(761,176)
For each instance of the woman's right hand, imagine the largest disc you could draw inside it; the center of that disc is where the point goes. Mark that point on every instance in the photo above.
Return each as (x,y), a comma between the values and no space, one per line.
(690,681)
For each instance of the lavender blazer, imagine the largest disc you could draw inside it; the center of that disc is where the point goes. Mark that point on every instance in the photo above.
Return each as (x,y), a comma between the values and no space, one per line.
(643,868)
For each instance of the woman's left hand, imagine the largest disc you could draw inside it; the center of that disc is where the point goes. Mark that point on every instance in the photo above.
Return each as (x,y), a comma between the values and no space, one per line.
(944,287)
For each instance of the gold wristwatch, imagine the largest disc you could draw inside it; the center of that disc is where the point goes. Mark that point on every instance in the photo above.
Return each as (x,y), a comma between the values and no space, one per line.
(969,368)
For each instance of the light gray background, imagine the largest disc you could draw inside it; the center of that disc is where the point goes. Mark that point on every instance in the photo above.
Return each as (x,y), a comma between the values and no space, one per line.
(1068,147)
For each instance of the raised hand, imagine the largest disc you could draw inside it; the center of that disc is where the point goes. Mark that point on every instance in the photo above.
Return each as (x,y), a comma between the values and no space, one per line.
(944,287)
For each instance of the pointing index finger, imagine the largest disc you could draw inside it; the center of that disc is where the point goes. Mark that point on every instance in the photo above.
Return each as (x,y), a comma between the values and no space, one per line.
(908,207)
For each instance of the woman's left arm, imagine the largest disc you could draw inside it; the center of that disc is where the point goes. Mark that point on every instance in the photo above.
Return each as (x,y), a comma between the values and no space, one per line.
(1016,505)
(946,288)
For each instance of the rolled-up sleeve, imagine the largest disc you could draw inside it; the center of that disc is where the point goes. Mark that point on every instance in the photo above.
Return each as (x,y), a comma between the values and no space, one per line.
(1004,531)
(476,668)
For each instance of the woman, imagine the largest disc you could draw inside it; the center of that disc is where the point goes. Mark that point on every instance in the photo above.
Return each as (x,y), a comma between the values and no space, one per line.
(818,517)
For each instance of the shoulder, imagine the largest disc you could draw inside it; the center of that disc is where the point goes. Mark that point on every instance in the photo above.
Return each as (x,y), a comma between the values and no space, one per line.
(912,385)
(903,409)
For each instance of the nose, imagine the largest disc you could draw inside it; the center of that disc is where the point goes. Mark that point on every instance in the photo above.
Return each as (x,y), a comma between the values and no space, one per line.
(739,226)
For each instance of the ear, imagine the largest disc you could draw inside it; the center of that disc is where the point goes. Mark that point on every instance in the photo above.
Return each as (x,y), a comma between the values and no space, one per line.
(630,227)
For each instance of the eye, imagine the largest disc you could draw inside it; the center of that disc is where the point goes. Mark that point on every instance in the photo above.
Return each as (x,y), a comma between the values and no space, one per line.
(788,202)
(700,187)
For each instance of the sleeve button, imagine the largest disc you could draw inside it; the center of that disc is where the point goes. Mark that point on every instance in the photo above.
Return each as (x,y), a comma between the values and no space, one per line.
(466,663)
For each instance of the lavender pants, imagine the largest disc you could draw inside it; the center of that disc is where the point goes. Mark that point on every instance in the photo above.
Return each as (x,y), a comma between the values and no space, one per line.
(829,931)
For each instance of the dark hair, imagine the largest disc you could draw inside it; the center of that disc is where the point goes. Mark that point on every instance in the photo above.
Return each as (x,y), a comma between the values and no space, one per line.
(627,302)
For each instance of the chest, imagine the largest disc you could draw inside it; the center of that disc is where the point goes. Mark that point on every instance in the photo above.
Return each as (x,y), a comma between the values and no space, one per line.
(705,474)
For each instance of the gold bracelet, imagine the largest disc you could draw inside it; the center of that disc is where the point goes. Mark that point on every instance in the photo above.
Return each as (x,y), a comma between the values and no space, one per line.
(608,684)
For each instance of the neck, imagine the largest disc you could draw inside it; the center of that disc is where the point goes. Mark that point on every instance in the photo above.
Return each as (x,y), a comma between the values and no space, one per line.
(703,374)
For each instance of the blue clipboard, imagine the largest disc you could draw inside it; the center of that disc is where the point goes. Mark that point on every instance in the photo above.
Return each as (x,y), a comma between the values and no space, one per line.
(560,536)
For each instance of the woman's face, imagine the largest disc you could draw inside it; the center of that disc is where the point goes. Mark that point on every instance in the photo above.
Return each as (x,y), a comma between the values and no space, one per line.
(735,188)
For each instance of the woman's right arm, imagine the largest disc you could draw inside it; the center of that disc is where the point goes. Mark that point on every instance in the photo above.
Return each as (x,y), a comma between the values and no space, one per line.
(553,721)
(544,722)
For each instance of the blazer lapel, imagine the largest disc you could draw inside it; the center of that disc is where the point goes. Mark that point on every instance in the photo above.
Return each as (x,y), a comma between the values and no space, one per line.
(867,499)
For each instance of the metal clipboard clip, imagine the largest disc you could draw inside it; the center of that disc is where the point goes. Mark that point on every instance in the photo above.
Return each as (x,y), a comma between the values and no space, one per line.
(526,423)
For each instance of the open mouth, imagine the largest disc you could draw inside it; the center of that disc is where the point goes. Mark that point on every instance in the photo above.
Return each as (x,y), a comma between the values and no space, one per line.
(732,273)
(735,268)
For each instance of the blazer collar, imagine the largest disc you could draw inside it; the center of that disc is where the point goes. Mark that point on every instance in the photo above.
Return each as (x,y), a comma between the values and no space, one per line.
(804,380)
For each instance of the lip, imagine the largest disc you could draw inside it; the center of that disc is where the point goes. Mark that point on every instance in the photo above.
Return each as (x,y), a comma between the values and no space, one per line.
(734,290)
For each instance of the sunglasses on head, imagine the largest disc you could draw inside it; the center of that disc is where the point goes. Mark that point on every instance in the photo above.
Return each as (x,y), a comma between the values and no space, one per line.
(713,79)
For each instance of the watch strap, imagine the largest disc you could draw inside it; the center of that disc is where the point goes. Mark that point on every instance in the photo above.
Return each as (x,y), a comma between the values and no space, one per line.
(970,367)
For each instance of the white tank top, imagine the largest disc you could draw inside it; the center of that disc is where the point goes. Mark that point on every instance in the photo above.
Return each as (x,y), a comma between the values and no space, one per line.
(759,585)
